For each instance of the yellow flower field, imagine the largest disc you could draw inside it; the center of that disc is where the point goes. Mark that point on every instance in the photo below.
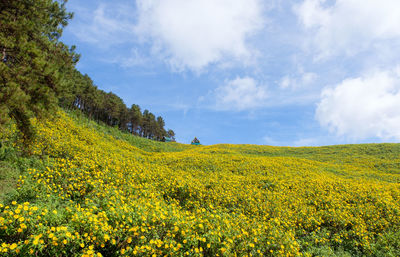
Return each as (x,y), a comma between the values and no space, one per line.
(98,195)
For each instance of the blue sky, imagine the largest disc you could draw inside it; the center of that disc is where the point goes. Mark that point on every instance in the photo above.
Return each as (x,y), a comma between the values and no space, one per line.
(290,73)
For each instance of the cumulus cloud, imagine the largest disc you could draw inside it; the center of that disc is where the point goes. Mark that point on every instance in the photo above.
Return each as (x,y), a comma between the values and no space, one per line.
(349,26)
(363,107)
(192,34)
(240,94)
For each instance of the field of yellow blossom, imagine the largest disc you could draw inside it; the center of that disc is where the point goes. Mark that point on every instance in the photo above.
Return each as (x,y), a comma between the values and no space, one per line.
(89,190)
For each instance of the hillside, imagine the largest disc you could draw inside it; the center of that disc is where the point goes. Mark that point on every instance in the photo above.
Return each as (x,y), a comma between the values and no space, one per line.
(91,190)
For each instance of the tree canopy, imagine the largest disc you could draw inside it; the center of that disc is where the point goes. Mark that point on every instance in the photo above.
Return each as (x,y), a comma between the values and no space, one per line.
(32,59)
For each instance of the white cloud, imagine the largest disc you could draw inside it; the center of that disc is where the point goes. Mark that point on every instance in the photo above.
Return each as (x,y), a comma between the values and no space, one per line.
(350,26)
(192,34)
(301,81)
(271,141)
(311,141)
(240,94)
(135,58)
(363,107)
(108,25)
(285,82)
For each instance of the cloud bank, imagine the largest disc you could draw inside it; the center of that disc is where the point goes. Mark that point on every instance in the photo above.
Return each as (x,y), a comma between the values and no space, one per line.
(349,26)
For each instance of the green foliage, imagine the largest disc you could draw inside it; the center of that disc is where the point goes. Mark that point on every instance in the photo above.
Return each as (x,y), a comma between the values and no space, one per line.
(136,119)
(8,178)
(13,164)
(388,244)
(37,72)
(31,60)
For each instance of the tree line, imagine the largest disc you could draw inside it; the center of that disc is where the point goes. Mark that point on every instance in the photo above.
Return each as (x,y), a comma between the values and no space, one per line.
(82,94)
(38,73)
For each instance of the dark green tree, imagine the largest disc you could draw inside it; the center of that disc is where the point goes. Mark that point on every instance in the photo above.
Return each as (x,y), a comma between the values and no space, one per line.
(171,134)
(149,125)
(135,118)
(160,130)
(32,59)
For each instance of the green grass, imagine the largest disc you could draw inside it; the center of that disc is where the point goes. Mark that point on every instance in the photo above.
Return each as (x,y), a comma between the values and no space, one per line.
(8,178)
(384,156)
(13,164)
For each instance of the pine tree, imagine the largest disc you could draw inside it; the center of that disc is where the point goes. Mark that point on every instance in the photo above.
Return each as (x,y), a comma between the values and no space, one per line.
(135,118)
(32,59)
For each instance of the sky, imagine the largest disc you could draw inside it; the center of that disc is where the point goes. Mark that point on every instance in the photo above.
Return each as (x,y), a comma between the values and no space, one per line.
(277,72)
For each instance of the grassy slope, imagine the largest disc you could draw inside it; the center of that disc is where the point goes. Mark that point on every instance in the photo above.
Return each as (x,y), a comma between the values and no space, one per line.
(330,201)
